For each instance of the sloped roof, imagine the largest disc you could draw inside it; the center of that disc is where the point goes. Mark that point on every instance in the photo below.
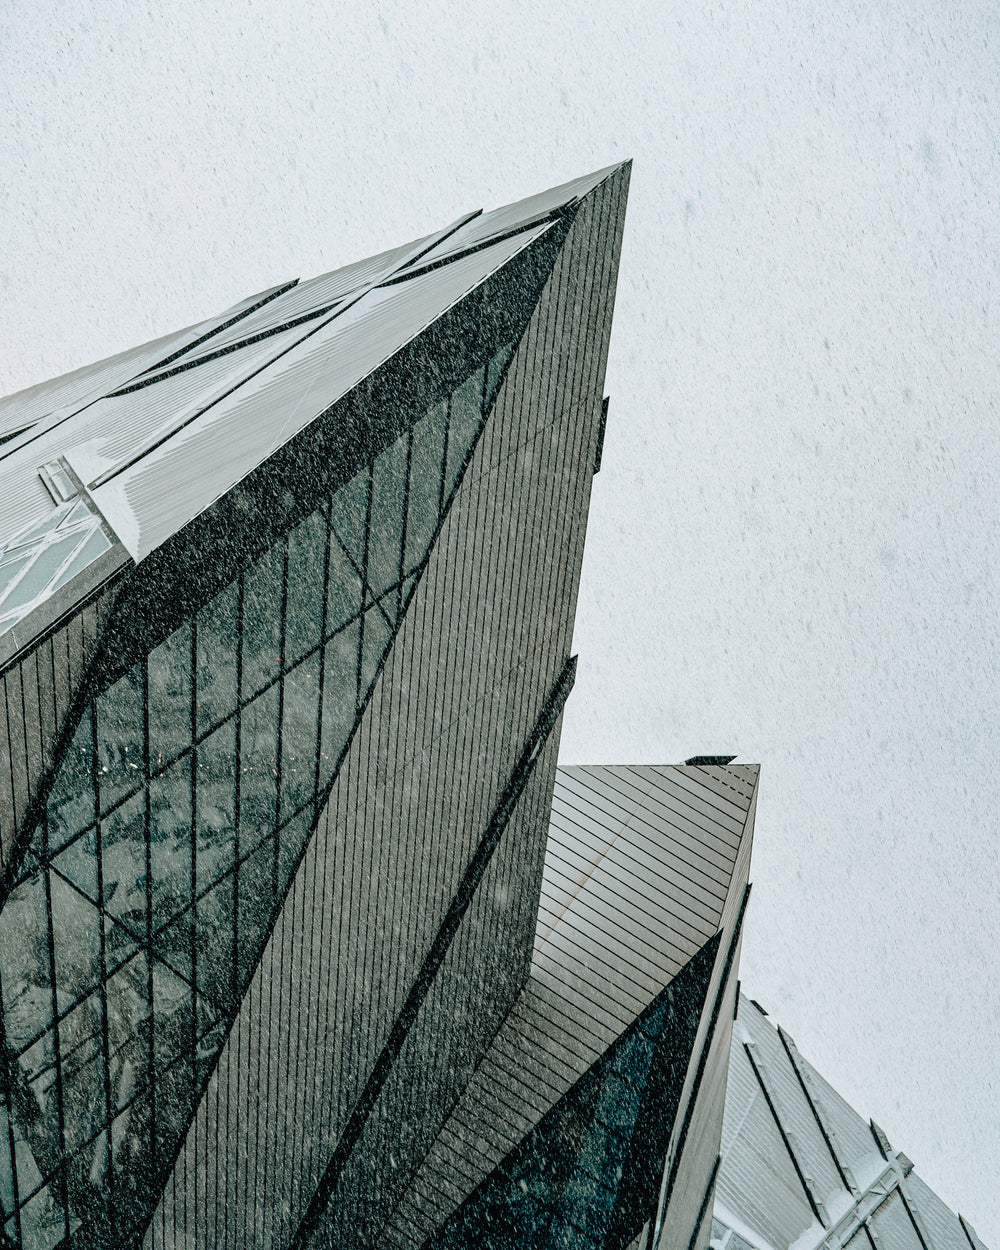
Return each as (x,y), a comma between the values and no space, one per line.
(150,438)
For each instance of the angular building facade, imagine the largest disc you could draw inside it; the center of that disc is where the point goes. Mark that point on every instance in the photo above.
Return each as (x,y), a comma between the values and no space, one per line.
(799,1167)
(302,941)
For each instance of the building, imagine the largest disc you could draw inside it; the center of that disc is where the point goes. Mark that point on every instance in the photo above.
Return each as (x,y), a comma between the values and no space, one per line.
(800,1167)
(302,940)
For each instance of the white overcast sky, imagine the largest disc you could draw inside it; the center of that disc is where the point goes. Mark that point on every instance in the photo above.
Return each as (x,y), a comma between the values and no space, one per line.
(793,542)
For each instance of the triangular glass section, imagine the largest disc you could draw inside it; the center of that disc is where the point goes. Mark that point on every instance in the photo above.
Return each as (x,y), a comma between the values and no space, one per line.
(348,516)
(495,371)
(168,851)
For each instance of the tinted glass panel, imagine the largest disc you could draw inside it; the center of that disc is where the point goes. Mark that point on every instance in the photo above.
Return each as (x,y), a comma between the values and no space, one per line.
(120,738)
(304,609)
(170,695)
(165,866)
(218,640)
(262,594)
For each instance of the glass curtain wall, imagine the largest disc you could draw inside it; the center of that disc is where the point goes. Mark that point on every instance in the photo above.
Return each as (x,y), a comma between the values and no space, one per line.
(173,826)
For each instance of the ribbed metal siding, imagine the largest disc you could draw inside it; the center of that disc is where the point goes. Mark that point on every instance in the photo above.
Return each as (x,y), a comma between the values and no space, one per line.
(494,613)
(758,1187)
(308,295)
(484,969)
(701,1147)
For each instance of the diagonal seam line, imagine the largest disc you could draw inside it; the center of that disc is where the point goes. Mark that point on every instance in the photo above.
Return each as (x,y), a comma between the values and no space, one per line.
(435,957)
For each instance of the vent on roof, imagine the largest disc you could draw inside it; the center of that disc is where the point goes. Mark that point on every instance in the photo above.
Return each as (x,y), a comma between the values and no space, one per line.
(703,760)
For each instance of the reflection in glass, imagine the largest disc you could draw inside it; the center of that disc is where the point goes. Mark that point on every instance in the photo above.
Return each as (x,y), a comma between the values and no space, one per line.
(119,738)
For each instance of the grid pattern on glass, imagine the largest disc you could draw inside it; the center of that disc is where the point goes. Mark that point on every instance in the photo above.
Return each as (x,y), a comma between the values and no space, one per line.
(173,826)
(45,555)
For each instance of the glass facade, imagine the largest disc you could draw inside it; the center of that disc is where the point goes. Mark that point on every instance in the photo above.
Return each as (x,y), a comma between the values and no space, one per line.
(173,826)
(45,555)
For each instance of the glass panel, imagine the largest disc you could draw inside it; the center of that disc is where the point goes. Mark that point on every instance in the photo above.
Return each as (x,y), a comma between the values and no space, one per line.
(6,1172)
(633,1057)
(170,697)
(78,863)
(603,1154)
(76,933)
(41,572)
(262,620)
(119,738)
(71,802)
(343,598)
(217,640)
(304,609)
(386,527)
(10,568)
(173,1099)
(174,944)
(215,799)
(255,906)
(128,1017)
(563,1236)
(426,469)
(24,951)
(173,1025)
(300,723)
(81,1053)
(258,765)
(42,1222)
(405,592)
(291,840)
(119,945)
(214,931)
(374,642)
(130,1150)
(618,1103)
(170,854)
(349,510)
(466,414)
(340,692)
(123,858)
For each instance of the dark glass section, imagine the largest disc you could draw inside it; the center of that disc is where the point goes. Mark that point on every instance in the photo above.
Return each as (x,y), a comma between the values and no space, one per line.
(120,762)
(217,632)
(588,1174)
(169,696)
(70,806)
(174,823)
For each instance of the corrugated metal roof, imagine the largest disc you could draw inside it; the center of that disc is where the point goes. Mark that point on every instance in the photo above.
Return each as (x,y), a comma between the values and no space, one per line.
(65,394)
